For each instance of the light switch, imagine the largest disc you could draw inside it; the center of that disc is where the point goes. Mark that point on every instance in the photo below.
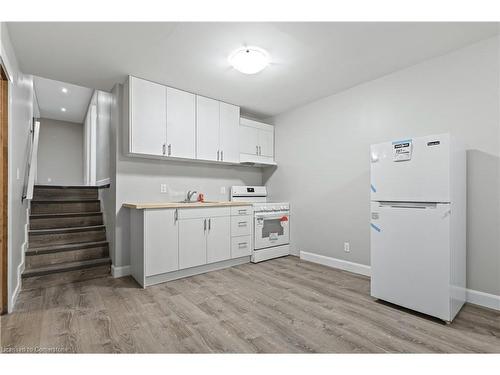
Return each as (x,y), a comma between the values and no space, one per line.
(347,247)
(163,188)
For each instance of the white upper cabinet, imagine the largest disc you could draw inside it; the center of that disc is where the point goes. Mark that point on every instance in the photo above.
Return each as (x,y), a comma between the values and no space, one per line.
(256,142)
(181,124)
(147,112)
(166,122)
(207,129)
(228,133)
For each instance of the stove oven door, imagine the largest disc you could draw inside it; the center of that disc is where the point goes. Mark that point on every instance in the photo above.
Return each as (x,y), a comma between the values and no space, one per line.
(271,229)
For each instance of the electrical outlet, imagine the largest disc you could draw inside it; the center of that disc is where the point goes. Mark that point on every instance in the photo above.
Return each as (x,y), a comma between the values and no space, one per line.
(223,190)
(49,179)
(347,247)
(163,188)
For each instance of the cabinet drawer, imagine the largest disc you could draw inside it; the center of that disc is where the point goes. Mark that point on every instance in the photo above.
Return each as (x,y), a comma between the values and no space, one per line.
(241,246)
(241,225)
(241,210)
(196,213)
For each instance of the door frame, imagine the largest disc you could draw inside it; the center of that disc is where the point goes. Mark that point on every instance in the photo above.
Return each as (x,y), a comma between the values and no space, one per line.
(4,189)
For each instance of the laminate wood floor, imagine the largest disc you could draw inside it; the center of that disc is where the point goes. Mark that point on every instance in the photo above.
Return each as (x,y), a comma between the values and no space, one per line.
(283,305)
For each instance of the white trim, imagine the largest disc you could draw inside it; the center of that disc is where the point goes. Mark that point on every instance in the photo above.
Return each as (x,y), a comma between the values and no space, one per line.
(104,181)
(120,271)
(476,297)
(345,265)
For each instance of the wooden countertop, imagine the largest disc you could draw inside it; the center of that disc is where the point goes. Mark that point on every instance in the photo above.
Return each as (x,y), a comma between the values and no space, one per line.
(145,205)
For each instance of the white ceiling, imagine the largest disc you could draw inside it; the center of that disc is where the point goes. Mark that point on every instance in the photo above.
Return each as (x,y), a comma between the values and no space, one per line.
(309,60)
(51,99)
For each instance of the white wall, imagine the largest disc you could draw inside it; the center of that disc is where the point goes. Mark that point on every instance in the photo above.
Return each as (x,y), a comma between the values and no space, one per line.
(323,161)
(138,180)
(103,138)
(60,153)
(20,122)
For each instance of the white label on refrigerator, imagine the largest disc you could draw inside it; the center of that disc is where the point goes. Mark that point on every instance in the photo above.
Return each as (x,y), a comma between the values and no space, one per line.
(402,150)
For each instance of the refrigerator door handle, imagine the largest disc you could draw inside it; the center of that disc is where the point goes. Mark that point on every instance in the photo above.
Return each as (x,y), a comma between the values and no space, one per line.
(421,205)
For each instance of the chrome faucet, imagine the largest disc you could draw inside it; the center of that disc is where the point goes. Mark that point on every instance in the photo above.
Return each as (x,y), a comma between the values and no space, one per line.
(190,194)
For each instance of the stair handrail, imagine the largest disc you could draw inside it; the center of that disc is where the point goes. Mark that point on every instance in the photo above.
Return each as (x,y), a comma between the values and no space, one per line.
(32,163)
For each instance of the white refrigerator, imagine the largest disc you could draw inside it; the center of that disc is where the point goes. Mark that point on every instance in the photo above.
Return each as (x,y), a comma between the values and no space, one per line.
(418,224)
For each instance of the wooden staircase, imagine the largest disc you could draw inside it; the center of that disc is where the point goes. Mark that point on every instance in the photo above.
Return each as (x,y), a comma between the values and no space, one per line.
(67,237)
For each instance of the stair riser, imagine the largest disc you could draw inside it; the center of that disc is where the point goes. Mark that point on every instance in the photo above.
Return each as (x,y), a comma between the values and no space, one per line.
(65,222)
(59,207)
(59,278)
(38,240)
(47,194)
(41,260)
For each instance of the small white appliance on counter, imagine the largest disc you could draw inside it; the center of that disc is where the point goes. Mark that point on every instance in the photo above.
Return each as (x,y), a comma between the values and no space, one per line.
(271,222)
(418,224)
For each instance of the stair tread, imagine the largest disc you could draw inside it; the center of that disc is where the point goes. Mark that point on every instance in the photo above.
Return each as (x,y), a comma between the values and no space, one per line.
(64,214)
(67,247)
(66,229)
(59,201)
(68,266)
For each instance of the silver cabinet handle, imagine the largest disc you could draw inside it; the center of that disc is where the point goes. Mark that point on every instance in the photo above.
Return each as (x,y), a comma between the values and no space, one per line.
(209,224)
(260,150)
(242,244)
(256,150)
(242,212)
(242,224)
(218,152)
(163,148)
(176,215)
(169,149)
(222,155)
(205,225)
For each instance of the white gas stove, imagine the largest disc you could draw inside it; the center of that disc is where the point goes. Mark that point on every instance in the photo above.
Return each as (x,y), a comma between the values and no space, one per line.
(271,229)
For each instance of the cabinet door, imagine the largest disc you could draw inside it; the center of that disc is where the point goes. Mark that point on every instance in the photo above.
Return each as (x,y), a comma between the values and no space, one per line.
(192,243)
(161,246)
(207,128)
(219,239)
(229,132)
(266,142)
(249,140)
(148,116)
(181,122)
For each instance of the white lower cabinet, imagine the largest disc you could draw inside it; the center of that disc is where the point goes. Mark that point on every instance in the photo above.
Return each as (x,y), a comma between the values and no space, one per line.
(169,243)
(218,239)
(192,243)
(160,241)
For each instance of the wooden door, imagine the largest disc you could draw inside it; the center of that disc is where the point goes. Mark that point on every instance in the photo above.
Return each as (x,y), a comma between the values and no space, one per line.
(3,189)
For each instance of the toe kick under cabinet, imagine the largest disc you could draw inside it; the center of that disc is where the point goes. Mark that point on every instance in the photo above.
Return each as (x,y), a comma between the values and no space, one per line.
(171,243)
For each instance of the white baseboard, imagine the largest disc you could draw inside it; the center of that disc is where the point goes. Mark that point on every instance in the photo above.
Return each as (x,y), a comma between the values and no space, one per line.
(120,271)
(17,289)
(476,297)
(483,299)
(345,265)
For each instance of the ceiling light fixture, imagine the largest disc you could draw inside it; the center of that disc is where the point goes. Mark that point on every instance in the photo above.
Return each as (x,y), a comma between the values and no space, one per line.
(249,60)
(63,109)
(64,90)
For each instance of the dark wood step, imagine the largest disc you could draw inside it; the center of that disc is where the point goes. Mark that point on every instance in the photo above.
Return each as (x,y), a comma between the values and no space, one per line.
(58,193)
(73,206)
(50,280)
(68,220)
(66,253)
(64,267)
(47,237)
